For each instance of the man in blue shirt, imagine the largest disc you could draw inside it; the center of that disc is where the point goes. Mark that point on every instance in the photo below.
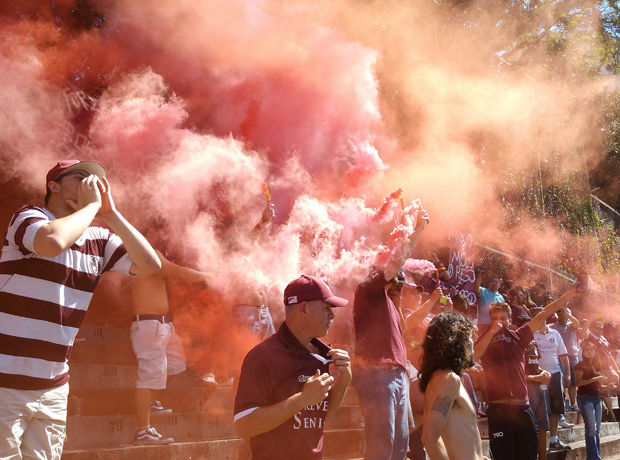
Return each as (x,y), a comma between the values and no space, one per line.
(487,296)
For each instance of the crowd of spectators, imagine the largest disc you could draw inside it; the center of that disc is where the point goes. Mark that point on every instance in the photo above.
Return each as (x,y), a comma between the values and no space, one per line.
(558,376)
(519,357)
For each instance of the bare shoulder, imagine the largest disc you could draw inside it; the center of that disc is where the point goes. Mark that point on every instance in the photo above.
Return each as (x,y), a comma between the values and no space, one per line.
(445,378)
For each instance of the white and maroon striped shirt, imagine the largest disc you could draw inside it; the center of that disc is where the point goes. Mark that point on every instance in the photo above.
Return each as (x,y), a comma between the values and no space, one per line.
(43,300)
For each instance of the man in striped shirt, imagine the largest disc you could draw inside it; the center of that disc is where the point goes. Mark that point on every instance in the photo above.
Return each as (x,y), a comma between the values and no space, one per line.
(51,262)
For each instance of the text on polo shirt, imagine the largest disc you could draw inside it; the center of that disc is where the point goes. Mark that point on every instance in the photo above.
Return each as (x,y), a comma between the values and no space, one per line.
(310,422)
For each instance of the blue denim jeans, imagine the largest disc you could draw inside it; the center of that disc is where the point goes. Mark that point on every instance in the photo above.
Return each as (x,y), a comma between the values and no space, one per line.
(383,393)
(590,408)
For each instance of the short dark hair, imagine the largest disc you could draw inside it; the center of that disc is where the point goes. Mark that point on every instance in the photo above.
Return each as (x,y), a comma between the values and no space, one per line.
(461,305)
(446,346)
(521,320)
(536,310)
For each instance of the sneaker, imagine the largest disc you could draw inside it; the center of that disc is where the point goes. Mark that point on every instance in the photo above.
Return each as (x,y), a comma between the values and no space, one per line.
(574,407)
(565,424)
(209,380)
(157,408)
(150,436)
(559,445)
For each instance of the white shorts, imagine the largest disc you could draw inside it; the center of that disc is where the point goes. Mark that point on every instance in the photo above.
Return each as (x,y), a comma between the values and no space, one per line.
(33,423)
(159,351)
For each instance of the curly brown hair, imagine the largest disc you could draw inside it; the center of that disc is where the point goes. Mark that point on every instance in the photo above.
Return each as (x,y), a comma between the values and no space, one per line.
(446,346)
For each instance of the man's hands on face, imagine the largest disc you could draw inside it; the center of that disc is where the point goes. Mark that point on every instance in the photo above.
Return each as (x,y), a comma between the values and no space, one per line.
(316,388)
(87,193)
(342,361)
(107,203)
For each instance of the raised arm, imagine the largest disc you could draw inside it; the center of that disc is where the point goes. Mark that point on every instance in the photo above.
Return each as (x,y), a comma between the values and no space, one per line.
(143,257)
(268,214)
(265,419)
(402,241)
(415,318)
(480,347)
(550,309)
(441,392)
(573,320)
(478,281)
(170,270)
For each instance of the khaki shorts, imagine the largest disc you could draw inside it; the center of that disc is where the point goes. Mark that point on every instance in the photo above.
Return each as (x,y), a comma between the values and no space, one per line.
(159,351)
(33,423)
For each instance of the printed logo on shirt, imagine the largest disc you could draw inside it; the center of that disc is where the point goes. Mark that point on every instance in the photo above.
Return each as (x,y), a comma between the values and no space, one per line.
(303,378)
(551,339)
(93,263)
(499,434)
(503,338)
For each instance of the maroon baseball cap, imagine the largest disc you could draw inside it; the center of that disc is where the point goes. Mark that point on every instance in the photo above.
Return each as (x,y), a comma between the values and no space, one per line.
(308,288)
(66,166)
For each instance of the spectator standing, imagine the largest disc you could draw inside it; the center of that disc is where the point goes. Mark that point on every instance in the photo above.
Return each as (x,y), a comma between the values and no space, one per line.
(512,425)
(51,262)
(487,296)
(608,364)
(450,428)
(552,352)
(517,303)
(157,346)
(379,375)
(589,379)
(285,390)
(568,326)
(537,389)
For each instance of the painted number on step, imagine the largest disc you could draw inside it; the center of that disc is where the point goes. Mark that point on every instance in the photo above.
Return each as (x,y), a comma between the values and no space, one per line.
(171,420)
(109,371)
(116,425)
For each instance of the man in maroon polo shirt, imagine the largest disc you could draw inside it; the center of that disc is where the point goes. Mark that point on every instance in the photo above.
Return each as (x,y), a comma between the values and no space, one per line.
(285,389)
(513,433)
(380,378)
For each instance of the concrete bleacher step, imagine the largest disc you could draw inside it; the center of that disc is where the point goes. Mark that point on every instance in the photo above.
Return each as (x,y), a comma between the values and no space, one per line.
(104,335)
(610,447)
(101,422)
(110,431)
(338,444)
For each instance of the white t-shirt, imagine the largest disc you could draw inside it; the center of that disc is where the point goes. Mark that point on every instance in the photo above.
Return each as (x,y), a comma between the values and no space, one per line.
(551,347)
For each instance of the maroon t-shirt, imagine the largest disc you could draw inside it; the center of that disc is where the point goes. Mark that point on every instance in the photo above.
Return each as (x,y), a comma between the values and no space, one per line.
(272,371)
(589,372)
(504,364)
(378,335)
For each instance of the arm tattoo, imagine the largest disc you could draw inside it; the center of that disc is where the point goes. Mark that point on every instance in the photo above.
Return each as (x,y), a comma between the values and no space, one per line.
(442,404)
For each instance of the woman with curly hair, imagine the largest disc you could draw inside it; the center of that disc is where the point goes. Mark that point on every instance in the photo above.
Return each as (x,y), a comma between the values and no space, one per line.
(449,428)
